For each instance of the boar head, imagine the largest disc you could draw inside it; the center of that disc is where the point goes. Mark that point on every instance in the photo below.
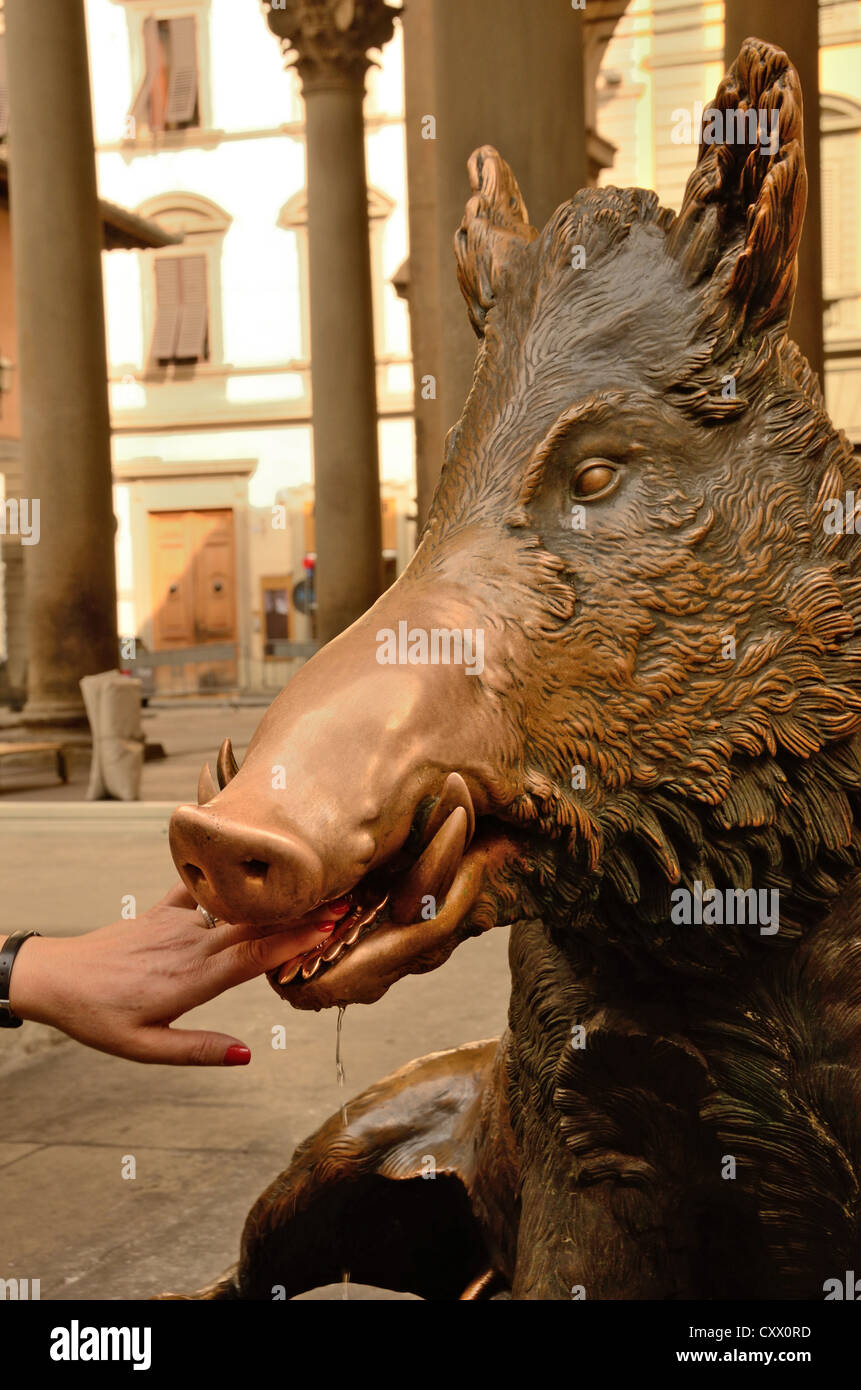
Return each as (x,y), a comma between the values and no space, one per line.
(631,515)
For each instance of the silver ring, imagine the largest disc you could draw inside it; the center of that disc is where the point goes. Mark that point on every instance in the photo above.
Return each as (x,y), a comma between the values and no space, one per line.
(208,919)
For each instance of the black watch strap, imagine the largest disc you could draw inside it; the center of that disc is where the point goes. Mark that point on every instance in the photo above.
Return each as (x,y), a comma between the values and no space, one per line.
(8,951)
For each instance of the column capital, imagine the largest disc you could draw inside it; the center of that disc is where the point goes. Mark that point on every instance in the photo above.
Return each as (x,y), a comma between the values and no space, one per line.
(331,38)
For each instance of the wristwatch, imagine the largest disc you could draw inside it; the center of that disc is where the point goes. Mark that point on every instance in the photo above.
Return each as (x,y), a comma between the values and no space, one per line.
(8,951)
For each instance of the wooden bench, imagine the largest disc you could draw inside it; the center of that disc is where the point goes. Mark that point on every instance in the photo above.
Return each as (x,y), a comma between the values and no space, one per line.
(11,750)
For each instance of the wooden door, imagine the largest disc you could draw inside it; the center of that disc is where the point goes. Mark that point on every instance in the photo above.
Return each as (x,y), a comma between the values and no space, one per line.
(213,576)
(193,577)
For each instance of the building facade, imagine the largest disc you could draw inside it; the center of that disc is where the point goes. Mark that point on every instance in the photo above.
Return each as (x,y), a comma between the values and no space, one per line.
(664,58)
(200,128)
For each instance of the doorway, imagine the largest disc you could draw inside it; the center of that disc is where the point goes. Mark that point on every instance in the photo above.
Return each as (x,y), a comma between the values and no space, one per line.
(193,579)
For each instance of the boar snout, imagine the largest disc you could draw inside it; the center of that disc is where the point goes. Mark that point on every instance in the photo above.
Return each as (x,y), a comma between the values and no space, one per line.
(368,783)
(244,873)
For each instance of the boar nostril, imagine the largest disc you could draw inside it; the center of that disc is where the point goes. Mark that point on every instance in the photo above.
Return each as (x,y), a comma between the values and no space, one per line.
(194,875)
(241,871)
(256,868)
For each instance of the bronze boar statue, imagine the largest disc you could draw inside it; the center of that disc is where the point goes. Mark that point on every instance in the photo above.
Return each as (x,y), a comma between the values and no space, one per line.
(648,765)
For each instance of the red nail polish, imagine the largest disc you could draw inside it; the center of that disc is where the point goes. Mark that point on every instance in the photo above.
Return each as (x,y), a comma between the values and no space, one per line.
(339,907)
(237,1055)
(326,926)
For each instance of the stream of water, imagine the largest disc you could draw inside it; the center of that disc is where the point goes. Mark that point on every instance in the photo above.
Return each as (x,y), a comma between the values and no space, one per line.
(342,1080)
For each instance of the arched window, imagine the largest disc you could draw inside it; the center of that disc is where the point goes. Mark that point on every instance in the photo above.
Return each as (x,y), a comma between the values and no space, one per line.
(840,124)
(181,295)
(293,217)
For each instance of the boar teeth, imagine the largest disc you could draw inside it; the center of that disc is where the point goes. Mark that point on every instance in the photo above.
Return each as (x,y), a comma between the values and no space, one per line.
(206,788)
(370,912)
(290,972)
(226,766)
(310,963)
(432,874)
(454,793)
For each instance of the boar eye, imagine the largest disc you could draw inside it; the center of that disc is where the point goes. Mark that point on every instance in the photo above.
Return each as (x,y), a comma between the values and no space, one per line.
(594,478)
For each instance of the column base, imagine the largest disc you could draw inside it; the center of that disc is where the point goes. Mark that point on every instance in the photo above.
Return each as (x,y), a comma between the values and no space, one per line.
(54,726)
(66,718)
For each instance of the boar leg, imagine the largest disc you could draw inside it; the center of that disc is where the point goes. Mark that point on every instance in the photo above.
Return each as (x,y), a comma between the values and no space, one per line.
(385,1199)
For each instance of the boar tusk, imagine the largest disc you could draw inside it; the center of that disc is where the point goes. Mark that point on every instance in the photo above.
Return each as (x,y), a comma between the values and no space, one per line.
(454,793)
(226,766)
(206,788)
(432,874)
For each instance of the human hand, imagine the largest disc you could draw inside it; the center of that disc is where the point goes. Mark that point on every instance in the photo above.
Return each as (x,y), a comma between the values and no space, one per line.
(118,989)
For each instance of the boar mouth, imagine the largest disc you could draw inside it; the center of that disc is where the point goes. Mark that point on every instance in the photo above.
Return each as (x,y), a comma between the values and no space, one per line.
(427,889)
(368,951)
(404,917)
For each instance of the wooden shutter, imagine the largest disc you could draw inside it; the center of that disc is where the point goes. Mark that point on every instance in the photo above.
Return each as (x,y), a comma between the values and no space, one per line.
(193,323)
(4,95)
(168,295)
(830,275)
(182,82)
(139,112)
(840,197)
(156,74)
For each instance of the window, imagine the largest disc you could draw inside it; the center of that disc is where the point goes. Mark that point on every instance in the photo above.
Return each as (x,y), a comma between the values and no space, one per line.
(293,217)
(181,332)
(168,96)
(4,94)
(182,286)
(277,618)
(841,203)
(389,532)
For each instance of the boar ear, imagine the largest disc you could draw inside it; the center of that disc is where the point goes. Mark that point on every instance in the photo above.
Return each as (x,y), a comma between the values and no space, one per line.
(743,209)
(494,231)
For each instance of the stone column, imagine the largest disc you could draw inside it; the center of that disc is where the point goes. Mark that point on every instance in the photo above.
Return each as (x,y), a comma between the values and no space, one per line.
(795,28)
(65,425)
(478,72)
(331,39)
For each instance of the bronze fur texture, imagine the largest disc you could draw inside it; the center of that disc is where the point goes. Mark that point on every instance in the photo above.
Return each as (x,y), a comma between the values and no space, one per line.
(634,511)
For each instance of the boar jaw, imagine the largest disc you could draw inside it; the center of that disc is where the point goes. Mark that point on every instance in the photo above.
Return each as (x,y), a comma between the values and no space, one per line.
(368,951)
(441,877)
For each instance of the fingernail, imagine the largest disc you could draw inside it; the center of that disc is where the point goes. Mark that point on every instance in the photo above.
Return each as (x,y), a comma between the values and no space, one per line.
(326,926)
(339,907)
(237,1055)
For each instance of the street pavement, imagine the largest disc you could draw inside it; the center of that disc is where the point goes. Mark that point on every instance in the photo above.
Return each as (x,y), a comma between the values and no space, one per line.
(205,1141)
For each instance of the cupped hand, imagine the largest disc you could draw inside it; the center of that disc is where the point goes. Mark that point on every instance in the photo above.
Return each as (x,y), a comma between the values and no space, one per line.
(120,988)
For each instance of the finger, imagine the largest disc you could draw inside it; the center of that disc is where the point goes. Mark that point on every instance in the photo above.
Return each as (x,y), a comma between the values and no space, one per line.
(226,934)
(323,918)
(294,941)
(178,896)
(247,959)
(189,1047)
(327,912)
